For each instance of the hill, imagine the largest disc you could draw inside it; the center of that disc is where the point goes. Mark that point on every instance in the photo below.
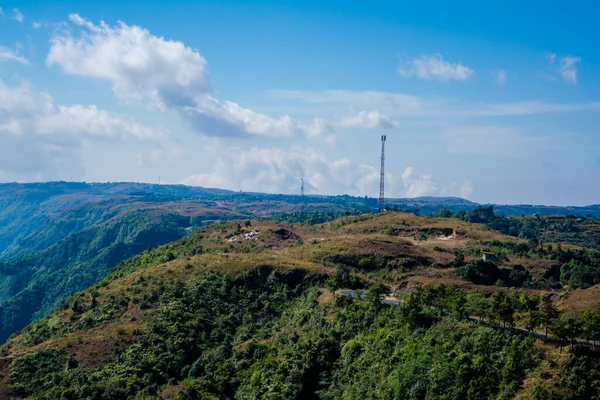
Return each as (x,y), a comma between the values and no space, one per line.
(26,209)
(57,238)
(250,310)
(78,245)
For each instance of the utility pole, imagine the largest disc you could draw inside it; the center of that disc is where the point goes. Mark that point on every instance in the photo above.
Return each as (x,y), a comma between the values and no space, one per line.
(382,176)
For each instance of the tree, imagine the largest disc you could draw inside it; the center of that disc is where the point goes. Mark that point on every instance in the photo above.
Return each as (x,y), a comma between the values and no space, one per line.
(459,260)
(548,313)
(503,308)
(591,325)
(411,309)
(445,213)
(457,300)
(375,294)
(479,306)
(480,272)
(530,305)
(567,327)
(340,279)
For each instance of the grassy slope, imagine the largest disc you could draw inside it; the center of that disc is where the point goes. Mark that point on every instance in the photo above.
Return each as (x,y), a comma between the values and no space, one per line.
(123,303)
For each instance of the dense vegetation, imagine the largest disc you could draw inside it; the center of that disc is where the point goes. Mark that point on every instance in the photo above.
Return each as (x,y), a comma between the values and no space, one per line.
(190,321)
(265,334)
(208,317)
(34,283)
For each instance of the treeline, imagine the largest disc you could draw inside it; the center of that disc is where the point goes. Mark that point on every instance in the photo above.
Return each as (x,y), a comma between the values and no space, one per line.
(310,217)
(530,312)
(521,227)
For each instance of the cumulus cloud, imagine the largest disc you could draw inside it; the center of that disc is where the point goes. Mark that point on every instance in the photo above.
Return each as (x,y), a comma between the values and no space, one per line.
(140,66)
(212,117)
(568,70)
(279,171)
(39,138)
(368,119)
(17,15)
(500,77)
(166,74)
(36,25)
(8,54)
(435,68)
(417,185)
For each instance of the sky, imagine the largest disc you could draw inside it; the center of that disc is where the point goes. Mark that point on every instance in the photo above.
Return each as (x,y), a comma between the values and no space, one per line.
(496,102)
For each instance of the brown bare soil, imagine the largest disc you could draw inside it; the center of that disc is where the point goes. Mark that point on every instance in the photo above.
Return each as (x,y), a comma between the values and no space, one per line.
(581,300)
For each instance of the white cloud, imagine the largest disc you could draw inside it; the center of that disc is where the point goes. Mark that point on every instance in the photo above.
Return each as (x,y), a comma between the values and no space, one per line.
(500,77)
(368,119)
(212,117)
(352,97)
(551,57)
(497,141)
(164,73)
(568,70)
(36,25)
(89,121)
(435,68)
(40,138)
(1,12)
(276,170)
(17,15)
(139,65)
(8,54)
(417,185)
(398,105)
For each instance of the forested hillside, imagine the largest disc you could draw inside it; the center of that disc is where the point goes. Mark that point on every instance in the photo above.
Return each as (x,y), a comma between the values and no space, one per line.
(34,283)
(253,309)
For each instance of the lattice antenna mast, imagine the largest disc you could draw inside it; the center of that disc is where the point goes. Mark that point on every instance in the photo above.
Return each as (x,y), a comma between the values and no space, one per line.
(302,195)
(382,176)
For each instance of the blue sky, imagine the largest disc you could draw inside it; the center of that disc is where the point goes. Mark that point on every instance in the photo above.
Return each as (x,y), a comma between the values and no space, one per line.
(492,102)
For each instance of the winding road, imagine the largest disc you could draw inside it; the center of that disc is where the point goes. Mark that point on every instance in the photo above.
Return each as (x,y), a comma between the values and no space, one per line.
(392,301)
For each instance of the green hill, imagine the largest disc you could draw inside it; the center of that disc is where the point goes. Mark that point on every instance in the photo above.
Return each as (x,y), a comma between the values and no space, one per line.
(228,313)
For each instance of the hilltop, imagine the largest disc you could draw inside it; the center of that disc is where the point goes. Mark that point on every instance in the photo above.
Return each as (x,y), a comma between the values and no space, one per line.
(28,208)
(247,309)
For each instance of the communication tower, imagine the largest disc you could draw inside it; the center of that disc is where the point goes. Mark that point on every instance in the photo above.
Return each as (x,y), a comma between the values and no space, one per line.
(382,176)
